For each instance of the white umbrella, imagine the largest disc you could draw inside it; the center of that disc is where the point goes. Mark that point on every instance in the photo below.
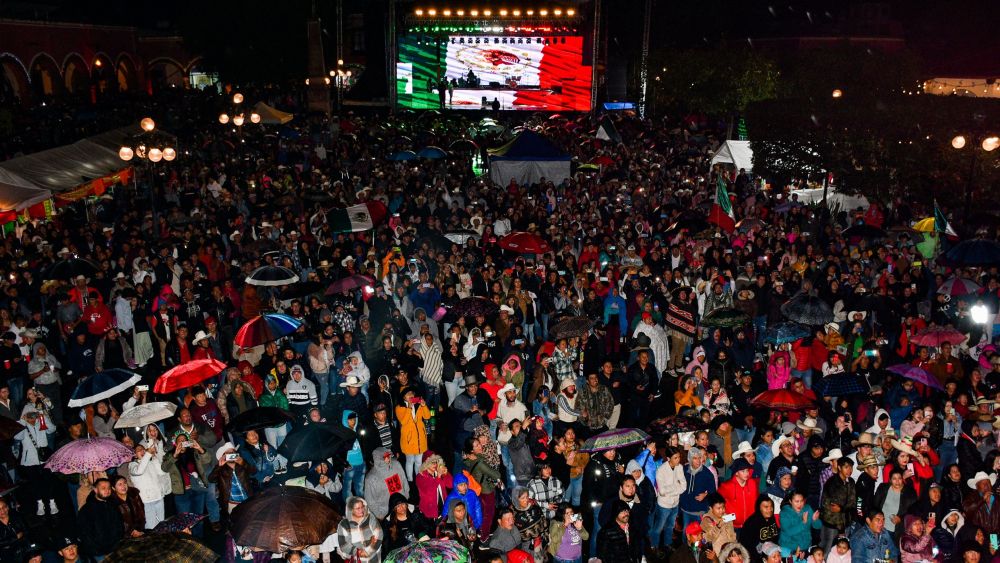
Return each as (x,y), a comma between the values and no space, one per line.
(141,415)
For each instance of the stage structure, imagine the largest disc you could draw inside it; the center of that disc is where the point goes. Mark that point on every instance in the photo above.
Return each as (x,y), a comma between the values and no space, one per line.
(518,58)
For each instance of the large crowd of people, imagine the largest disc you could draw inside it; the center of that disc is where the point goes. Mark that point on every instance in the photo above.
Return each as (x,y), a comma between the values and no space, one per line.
(472,427)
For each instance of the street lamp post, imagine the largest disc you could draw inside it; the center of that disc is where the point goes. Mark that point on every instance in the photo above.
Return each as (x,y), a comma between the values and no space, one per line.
(151,146)
(988,144)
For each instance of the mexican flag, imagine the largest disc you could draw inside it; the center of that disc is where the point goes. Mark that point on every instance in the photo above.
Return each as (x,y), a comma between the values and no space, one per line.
(722,210)
(356,218)
(941,224)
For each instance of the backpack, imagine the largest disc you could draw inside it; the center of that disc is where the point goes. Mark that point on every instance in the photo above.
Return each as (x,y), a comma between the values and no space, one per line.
(474,485)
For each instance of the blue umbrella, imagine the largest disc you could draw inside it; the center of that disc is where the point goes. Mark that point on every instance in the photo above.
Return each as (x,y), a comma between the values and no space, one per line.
(102,385)
(432,153)
(402,156)
(841,385)
(976,252)
(782,333)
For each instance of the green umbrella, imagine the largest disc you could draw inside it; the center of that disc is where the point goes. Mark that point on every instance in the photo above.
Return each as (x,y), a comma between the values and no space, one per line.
(725,317)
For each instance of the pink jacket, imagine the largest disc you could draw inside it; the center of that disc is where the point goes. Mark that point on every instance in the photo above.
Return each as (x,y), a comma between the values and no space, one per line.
(778,376)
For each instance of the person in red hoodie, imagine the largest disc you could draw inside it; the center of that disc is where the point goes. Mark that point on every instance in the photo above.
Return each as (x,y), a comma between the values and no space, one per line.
(740,492)
(494,382)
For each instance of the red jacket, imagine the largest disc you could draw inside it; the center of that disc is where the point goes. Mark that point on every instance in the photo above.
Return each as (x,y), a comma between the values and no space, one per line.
(741,501)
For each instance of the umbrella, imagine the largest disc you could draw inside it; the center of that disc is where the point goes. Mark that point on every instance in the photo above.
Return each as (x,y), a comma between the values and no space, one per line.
(403,156)
(613,439)
(691,223)
(186,375)
(462,236)
(473,307)
(782,333)
(9,428)
(746,225)
(976,252)
(432,153)
(935,336)
(147,413)
(725,317)
(781,400)
(436,241)
(314,442)
(570,327)
(677,424)
(925,225)
(174,547)
(602,160)
(807,310)
(918,374)
(265,328)
(463,145)
(260,417)
(284,518)
(179,522)
(430,551)
(957,287)
(525,243)
(349,283)
(841,385)
(863,230)
(102,385)
(272,276)
(70,268)
(588,167)
(301,289)
(89,454)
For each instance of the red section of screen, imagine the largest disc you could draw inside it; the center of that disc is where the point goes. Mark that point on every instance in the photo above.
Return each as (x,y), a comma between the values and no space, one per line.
(561,68)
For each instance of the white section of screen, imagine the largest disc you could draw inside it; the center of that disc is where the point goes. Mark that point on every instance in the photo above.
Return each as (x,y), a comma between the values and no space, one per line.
(492,61)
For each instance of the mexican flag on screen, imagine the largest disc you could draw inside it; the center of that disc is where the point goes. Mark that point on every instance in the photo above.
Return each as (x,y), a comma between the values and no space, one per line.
(356,218)
(722,210)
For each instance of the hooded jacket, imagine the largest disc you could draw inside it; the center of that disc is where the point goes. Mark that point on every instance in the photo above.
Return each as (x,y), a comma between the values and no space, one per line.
(912,548)
(382,480)
(355,456)
(354,537)
(700,482)
(779,376)
(432,488)
(273,398)
(947,538)
(471,500)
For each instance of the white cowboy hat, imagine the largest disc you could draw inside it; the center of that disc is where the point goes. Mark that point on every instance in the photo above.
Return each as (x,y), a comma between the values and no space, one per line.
(742,449)
(223,450)
(507,309)
(981,476)
(346,260)
(832,327)
(503,390)
(809,424)
(835,453)
(864,439)
(352,381)
(199,336)
(864,315)
(776,446)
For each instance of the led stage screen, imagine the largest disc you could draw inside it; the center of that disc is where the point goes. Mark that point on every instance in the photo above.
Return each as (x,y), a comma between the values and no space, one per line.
(522,73)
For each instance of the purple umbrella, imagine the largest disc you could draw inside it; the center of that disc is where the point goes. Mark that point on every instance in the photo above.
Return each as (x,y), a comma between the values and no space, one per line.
(917,374)
(90,454)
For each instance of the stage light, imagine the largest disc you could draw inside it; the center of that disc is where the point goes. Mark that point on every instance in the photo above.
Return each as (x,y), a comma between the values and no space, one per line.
(557,12)
(460,12)
(503,12)
(980,314)
(487,13)
(446,13)
(432,12)
(419,12)
(517,13)
(530,12)
(543,13)
(474,13)
(570,12)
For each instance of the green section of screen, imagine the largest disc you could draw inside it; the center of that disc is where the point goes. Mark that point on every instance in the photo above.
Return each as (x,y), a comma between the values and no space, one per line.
(415,73)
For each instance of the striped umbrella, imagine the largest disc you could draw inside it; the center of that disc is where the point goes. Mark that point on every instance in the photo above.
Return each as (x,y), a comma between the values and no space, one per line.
(272,276)
(957,287)
(265,328)
(614,439)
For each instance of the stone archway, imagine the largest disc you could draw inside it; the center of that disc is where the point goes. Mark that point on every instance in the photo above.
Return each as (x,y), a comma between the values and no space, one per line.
(103,75)
(166,73)
(128,79)
(76,75)
(46,78)
(14,83)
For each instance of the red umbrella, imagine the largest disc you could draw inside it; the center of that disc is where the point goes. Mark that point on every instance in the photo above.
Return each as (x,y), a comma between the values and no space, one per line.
(525,243)
(781,400)
(936,336)
(186,375)
(602,160)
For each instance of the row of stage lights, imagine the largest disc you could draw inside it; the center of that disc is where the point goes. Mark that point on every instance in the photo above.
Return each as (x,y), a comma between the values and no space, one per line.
(502,12)
(489,29)
(496,41)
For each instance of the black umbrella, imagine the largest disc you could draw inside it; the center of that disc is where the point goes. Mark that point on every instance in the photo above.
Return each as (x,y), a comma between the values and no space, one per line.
(976,252)
(570,327)
(841,385)
(807,310)
(463,145)
(302,289)
(725,317)
(473,307)
(864,230)
(70,268)
(315,442)
(272,276)
(284,518)
(260,417)
(437,241)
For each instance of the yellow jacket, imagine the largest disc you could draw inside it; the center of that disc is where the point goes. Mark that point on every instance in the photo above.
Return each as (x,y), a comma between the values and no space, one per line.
(412,432)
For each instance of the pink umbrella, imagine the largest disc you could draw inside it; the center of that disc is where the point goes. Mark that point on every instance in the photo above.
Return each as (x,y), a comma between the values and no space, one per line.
(956,287)
(936,336)
(88,455)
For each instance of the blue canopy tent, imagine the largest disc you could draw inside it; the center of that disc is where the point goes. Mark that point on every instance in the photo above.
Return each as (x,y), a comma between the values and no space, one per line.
(527,158)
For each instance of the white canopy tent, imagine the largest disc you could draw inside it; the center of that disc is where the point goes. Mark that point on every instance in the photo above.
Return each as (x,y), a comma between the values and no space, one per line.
(737,153)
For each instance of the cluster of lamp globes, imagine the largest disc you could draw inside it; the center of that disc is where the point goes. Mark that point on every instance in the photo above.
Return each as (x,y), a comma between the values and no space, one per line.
(238,119)
(989,144)
(153,154)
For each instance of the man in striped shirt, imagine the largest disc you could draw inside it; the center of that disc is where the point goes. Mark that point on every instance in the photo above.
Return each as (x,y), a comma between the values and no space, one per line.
(301,393)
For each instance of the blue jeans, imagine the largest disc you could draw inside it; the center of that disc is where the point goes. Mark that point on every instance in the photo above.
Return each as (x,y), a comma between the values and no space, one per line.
(687,518)
(354,482)
(759,326)
(597,528)
(663,526)
(16,385)
(573,491)
(333,382)
(212,503)
(577,560)
(324,387)
(949,455)
(192,501)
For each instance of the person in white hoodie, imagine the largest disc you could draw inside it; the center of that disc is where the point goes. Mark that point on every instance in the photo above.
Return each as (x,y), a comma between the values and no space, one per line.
(153,484)
(670,483)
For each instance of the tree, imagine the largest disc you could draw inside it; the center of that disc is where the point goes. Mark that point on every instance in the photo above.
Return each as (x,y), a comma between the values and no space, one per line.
(716,81)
